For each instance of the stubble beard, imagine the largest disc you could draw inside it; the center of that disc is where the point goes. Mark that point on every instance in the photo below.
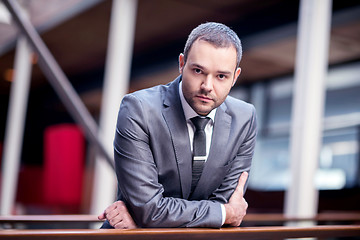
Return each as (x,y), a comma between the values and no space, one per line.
(202,107)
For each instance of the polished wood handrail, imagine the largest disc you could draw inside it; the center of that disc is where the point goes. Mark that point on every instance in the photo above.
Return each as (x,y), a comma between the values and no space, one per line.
(251,217)
(66,218)
(190,233)
(321,217)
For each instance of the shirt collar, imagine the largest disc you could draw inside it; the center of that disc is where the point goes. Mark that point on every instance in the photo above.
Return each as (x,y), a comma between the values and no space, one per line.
(188,111)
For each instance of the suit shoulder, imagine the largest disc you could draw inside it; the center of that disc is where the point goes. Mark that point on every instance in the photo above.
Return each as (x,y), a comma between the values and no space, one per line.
(148,93)
(150,97)
(234,104)
(154,96)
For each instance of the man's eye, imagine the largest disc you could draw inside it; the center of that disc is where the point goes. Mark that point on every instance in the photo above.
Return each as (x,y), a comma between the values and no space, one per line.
(197,70)
(222,76)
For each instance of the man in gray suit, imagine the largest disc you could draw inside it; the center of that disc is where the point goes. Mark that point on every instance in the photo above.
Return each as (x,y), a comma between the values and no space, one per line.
(162,181)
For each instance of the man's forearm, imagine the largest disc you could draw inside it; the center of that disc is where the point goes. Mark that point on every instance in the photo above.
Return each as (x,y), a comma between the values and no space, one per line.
(237,206)
(176,212)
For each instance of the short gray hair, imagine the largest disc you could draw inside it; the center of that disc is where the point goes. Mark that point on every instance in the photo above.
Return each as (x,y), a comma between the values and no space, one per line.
(217,34)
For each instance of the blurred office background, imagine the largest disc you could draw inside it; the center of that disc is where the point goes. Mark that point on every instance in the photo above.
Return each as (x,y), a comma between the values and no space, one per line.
(55,151)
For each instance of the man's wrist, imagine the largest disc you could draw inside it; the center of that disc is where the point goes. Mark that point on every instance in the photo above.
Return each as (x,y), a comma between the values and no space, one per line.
(228,213)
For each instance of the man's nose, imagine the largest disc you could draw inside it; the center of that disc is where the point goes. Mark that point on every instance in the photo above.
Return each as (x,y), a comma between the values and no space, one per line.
(207,83)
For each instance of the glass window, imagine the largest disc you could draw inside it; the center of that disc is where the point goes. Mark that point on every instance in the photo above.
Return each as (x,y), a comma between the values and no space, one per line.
(339,155)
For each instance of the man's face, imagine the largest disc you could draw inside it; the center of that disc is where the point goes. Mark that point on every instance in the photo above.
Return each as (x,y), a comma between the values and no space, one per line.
(208,75)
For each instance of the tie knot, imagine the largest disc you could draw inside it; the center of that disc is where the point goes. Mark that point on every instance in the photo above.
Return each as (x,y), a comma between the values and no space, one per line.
(200,122)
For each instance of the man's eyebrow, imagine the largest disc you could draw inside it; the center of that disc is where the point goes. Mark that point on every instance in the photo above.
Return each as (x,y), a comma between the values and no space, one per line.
(202,67)
(224,72)
(197,65)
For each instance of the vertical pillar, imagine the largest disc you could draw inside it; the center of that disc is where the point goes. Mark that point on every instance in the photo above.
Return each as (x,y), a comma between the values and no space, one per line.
(15,125)
(258,99)
(301,199)
(117,77)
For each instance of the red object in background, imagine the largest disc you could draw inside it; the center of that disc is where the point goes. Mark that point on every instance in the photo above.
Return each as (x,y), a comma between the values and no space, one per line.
(29,190)
(64,147)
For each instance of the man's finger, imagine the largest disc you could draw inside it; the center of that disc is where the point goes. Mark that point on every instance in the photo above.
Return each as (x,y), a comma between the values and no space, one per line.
(102,216)
(114,221)
(113,214)
(242,180)
(109,209)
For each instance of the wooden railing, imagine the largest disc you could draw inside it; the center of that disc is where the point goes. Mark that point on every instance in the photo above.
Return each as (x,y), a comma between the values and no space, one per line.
(269,232)
(321,217)
(76,218)
(193,233)
(353,217)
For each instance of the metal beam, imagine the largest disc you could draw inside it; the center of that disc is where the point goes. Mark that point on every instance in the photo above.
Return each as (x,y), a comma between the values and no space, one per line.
(58,80)
(301,199)
(15,123)
(116,84)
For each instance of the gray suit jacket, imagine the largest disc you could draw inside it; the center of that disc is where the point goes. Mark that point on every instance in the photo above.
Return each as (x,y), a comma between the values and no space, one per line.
(153,159)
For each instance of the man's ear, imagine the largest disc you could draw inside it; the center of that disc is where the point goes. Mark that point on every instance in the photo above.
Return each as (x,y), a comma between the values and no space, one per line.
(237,73)
(181,63)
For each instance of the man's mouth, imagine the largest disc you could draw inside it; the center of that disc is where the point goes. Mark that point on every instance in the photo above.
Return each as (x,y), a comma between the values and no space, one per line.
(204,98)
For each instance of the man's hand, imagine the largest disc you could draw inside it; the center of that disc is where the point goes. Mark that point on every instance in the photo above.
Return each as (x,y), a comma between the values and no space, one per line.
(118,216)
(236,208)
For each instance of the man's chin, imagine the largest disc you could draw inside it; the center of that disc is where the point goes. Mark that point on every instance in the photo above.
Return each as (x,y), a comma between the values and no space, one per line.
(203,110)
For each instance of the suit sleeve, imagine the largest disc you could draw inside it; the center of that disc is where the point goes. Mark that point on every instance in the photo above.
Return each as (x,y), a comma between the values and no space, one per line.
(137,176)
(241,162)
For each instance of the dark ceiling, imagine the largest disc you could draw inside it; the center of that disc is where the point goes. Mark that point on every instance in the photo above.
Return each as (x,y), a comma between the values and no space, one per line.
(267,29)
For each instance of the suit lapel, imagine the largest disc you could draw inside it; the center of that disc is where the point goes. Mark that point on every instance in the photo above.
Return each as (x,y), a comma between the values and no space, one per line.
(175,119)
(220,137)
